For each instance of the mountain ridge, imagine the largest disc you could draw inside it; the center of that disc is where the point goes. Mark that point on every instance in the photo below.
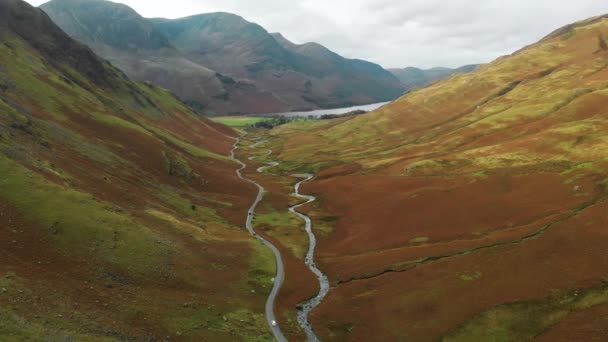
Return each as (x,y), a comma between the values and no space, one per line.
(413,77)
(221,62)
(16,18)
(155,60)
(257,55)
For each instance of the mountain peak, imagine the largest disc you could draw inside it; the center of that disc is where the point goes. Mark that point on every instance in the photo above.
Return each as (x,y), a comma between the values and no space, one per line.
(220,15)
(173,53)
(35,27)
(106,22)
(568,28)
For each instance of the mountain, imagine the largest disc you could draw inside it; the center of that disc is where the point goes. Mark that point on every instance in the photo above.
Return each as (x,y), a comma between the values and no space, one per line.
(415,78)
(305,78)
(470,210)
(131,42)
(219,62)
(120,212)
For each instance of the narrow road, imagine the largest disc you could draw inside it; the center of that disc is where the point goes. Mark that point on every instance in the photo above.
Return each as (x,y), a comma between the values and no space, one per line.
(280,276)
(310,305)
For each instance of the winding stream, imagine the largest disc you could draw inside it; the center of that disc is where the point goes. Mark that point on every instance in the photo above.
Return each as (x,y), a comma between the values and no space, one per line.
(280,276)
(310,305)
(307,307)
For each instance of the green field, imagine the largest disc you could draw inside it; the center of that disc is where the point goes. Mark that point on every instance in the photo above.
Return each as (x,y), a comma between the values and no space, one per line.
(239,121)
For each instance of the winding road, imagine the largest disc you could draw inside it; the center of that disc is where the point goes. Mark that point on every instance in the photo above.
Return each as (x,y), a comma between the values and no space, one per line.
(305,308)
(280,276)
(310,305)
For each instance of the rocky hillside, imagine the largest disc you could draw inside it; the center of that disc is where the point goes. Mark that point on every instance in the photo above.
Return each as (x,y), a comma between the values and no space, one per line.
(415,78)
(120,213)
(219,62)
(472,209)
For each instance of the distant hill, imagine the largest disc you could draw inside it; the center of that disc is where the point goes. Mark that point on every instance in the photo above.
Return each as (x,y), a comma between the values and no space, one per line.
(132,43)
(414,77)
(304,78)
(221,63)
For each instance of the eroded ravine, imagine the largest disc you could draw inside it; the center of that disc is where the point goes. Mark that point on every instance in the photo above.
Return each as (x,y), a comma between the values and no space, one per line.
(280,276)
(307,307)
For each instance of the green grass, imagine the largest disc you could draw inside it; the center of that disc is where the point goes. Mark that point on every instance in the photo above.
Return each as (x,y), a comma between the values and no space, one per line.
(36,83)
(14,328)
(524,320)
(83,224)
(187,208)
(284,226)
(186,146)
(251,326)
(118,122)
(85,147)
(581,166)
(276,218)
(239,121)
(163,97)
(262,267)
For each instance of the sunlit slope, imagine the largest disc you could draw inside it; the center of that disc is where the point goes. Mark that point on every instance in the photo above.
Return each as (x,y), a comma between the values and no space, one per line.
(545,96)
(120,212)
(473,209)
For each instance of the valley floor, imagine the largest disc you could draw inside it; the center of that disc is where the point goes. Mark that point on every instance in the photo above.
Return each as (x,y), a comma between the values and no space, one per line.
(470,210)
(510,255)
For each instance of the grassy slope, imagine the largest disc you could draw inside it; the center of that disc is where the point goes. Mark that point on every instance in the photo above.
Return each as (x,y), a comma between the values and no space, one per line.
(478,191)
(120,213)
(238,121)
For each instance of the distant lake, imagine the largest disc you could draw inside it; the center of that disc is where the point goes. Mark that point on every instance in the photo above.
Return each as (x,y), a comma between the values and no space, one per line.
(320,112)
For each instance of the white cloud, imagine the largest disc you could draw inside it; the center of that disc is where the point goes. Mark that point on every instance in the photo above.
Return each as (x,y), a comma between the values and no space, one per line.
(398,33)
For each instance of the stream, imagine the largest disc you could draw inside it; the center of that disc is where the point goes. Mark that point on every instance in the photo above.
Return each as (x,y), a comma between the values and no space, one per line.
(280,276)
(307,307)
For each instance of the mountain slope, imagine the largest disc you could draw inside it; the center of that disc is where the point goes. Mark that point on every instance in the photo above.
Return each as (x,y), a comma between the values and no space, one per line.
(304,79)
(220,63)
(131,42)
(120,213)
(415,78)
(114,24)
(472,209)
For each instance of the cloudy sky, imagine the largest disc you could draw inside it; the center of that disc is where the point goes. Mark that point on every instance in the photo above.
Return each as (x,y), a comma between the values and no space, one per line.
(397,33)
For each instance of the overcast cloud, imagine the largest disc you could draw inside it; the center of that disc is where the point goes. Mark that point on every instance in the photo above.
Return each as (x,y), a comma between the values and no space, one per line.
(398,33)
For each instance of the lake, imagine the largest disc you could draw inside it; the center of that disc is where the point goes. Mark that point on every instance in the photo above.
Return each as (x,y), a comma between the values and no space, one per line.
(321,112)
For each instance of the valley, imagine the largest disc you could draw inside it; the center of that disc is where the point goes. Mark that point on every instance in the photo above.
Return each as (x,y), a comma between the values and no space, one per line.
(280,274)
(434,218)
(471,208)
